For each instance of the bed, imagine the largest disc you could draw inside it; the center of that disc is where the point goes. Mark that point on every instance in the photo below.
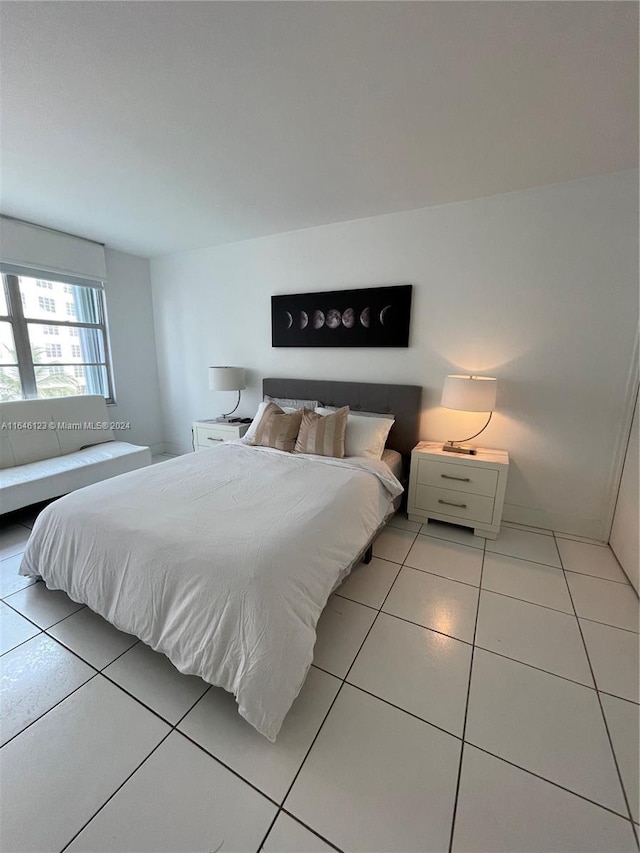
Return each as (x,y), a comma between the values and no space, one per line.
(224,560)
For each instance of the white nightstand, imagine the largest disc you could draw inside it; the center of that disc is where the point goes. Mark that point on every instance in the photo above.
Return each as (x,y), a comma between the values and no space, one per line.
(466,490)
(208,433)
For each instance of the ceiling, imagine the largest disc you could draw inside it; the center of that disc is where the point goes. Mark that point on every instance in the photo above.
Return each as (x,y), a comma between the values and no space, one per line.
(162,126)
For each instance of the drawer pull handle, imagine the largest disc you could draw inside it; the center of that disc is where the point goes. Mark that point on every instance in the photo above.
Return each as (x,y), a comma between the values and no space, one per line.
(213,439)
(462,479)
(451,503)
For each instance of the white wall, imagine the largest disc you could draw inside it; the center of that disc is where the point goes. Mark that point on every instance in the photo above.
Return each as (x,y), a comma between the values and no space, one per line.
(538,288)
(624,531)
(133,351)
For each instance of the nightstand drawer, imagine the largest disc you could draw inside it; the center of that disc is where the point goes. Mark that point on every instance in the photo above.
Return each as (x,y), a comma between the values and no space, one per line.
(211,435)
(449,502)
(470,479)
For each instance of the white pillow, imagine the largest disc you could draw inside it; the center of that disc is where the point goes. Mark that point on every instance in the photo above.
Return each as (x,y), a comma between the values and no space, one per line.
(289,403)
(365,436)
(258,417)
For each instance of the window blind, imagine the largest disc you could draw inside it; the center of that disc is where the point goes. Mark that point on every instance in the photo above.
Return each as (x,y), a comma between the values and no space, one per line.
(63,257)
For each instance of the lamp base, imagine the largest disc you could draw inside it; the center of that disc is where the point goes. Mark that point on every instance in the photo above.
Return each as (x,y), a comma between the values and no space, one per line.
(468,449)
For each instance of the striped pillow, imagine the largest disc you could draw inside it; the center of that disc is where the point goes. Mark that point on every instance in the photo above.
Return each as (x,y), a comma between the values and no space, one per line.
(323,435)
(277,429)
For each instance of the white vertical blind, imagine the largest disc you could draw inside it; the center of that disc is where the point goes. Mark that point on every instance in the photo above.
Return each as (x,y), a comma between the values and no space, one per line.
(31,247)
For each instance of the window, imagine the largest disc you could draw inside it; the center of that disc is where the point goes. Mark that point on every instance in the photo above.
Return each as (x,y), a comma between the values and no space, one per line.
(44,303)
(30,364)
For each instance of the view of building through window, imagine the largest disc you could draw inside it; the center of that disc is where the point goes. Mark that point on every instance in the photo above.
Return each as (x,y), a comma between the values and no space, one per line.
(52,339)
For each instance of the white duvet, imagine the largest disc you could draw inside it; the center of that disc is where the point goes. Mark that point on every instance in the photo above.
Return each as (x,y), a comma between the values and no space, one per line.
(223,560)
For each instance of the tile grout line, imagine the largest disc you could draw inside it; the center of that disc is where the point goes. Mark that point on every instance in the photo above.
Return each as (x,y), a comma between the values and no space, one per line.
(403,710)
(466,709)
(120,786)
(598,577)
(281,808)
(343,681)
(485,589)
(616,696)
(172,728)
(9,594)
(29,619)
(549,781)
(537,668)
(522,560)
(624,582)
(483,749)
(22,642)
(44,713)
(321,837)
(467,643)
(604,716)
(608,625)
(96,671)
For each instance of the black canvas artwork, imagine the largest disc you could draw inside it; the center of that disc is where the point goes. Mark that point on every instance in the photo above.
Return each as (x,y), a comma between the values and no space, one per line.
(373,317)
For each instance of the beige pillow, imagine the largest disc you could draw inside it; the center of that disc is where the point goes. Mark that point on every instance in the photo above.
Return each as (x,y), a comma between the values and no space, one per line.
(323,435)
(277,429)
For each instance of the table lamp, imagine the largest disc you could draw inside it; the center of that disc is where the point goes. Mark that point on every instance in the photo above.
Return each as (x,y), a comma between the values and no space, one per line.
(468,394)
(227,379)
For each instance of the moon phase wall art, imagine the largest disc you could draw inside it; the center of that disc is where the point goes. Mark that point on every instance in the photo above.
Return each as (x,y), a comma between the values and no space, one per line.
(372,317)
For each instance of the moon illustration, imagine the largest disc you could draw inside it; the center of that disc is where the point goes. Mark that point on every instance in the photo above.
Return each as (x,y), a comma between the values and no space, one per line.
(304,319)
(318,319)
(384,312)
(365,317)
(289,319)
(348,318)
(333,318)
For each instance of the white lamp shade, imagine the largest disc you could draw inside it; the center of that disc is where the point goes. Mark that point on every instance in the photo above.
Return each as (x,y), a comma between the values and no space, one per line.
(226,378)
(470,393)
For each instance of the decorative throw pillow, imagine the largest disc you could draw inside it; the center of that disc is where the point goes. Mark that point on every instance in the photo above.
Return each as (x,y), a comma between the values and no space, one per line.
(278,429)
(365,436)
(323,435)
(249,434)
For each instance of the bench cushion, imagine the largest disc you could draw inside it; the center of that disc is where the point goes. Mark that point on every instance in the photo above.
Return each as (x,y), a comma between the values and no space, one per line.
(49,478)
(70,415)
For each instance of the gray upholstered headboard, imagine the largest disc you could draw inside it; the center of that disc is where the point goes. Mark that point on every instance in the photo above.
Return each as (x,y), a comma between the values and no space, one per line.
(403,401)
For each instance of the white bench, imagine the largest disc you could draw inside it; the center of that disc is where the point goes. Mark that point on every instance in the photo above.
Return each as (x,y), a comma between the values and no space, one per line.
(49,448)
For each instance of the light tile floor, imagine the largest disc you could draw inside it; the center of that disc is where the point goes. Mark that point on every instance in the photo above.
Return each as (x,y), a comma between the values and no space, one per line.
(465,696)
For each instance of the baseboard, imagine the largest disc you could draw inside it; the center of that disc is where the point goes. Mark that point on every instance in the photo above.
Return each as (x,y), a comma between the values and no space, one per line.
(176,449)
(591,528)
(157,448)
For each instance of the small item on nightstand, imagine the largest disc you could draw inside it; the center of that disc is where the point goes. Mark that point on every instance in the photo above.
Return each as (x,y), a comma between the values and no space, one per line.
(246,420)
(452,447)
